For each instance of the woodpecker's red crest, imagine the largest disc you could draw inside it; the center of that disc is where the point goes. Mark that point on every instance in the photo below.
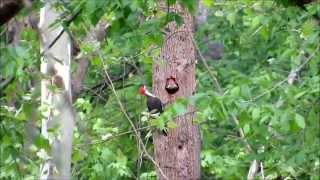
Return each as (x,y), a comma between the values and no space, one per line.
(142,90)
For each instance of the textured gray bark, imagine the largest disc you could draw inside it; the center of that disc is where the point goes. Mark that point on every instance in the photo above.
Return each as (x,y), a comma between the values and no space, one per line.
(178,153)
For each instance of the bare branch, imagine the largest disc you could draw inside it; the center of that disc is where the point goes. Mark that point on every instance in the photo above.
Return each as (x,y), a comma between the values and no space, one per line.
(5,83)
(254,167)
(95,34)
(68,22)
(112,137)
(213,77)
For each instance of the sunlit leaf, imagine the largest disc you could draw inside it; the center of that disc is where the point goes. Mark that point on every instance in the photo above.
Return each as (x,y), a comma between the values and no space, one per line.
(300,121)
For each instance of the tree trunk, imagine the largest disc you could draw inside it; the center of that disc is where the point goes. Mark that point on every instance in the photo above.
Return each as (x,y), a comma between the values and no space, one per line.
(56,105)
(178,152)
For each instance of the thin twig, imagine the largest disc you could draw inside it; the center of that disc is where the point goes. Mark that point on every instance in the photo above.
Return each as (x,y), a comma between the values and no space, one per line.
(215,81)
(95,93)
(242,135)
(6,82)
(298,69)
(262,171)
(221,92)
(60,33)
(258,29)
(125,74)
(268,90)
(113,136)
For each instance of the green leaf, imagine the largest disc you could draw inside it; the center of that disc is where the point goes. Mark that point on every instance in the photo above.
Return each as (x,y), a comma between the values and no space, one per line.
(98,167)
(244,117)
(308,28)
(300,94)
(189,4)
(148,175)
(179,108)
(171,2)
(231,17)
(235,91)
(255,21)
(255,113)
(95,61)
(42,143)
(246,128)
(208,3)
(300,121)
(219,13)
(284,121)
(196,98)
(171,125)
(174,17)
(77,155)
(159,123)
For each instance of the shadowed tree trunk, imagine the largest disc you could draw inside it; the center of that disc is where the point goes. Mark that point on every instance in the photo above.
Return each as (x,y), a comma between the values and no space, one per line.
(178,152)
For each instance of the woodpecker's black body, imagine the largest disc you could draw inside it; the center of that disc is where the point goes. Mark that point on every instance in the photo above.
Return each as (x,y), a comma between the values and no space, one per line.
(154,104)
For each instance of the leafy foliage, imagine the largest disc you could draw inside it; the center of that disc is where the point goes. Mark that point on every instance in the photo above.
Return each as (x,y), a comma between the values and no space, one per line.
(264,43)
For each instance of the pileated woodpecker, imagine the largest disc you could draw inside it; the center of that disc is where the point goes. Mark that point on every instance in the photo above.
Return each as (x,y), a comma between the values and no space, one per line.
(154,104)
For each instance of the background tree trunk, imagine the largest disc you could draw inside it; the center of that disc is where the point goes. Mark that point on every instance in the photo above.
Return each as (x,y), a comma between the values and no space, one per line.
(178,153)
(58,113)
(8,9)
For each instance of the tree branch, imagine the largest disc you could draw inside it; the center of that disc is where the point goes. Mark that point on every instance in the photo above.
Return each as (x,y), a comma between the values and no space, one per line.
(103,85)
(5,83)
(94,35)
(67,23)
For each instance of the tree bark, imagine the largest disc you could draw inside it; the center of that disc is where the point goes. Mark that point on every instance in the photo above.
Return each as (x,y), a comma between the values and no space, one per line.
(178,152)
(57,107)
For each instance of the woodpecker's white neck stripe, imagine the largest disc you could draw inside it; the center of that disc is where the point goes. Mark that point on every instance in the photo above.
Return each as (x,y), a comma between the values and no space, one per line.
(149,94)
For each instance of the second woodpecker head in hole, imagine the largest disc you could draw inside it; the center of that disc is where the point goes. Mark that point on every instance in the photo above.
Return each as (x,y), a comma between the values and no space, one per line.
(171,85)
